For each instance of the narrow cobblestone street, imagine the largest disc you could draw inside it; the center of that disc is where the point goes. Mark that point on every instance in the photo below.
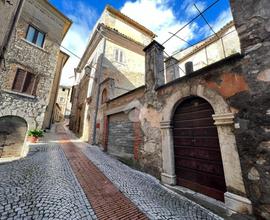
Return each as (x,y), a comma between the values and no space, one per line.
(63,178)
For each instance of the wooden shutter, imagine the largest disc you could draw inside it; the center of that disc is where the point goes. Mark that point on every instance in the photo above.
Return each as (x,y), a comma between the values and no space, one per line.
(25,82)
(19,80)
(29,84)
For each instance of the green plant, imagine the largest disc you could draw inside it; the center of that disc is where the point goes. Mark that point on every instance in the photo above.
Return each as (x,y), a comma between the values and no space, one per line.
(35,133)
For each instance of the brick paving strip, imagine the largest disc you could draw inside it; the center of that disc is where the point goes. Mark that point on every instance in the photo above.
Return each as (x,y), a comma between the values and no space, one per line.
(106,200)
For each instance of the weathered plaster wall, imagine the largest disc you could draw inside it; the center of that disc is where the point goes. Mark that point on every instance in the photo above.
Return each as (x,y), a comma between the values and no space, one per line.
(219,49)
(125,28)
(63,99)
(238,90)
(128,74)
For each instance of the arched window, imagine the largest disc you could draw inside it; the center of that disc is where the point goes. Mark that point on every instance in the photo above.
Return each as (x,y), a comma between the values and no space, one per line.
(104,96)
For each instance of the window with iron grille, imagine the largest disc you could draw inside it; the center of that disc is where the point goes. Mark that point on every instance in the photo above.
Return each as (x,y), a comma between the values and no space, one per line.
(25,82)
(35,36)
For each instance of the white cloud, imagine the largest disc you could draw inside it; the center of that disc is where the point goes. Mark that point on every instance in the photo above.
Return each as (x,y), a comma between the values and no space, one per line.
(159,17)
(223,18)
(83,18)
(190,9)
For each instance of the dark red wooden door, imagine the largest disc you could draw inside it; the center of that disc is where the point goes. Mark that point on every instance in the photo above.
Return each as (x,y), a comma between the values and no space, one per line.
(198,163)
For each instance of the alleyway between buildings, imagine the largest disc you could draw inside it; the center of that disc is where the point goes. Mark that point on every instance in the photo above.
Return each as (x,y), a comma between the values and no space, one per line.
(64,178)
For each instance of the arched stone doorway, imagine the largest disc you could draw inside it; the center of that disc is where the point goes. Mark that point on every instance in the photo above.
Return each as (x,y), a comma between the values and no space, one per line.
(197,156)
(235,197)
(12,135)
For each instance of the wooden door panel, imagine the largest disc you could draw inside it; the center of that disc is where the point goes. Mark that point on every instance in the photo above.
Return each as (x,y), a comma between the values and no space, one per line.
(203,122)
(198,162)
(193,115)
(199,153)
(201,165)
(209,191)
(202,178)
(210,131)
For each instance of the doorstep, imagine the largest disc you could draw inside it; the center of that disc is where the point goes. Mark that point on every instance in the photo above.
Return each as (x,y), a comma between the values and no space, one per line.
(214,205)
(209,203)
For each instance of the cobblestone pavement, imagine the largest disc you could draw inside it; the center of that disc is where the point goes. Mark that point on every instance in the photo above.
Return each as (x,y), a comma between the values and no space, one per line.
(145,191)
(42,186)
(105,198)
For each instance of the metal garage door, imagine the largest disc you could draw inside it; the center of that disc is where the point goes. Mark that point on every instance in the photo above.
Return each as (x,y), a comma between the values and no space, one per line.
(121,135)
(198,163)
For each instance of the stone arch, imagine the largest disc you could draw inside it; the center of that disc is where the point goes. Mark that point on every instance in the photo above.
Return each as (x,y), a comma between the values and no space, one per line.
(215,100)
(104,96)
(31,122)
(235,197)
(13,131)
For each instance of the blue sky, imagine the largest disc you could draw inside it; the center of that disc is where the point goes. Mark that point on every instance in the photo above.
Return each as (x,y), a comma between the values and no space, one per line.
(161,16)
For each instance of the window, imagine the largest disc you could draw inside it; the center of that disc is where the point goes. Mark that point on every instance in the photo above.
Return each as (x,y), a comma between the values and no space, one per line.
(118,56)
(24,82)
(63,89)
(35,36)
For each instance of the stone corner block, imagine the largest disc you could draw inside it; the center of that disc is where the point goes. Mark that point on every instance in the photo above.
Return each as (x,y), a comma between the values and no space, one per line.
(168,179)
(223,119)
(238,203)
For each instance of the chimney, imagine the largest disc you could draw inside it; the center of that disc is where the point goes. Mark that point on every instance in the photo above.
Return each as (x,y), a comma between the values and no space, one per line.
(189,67)
(154,65)
(172,69)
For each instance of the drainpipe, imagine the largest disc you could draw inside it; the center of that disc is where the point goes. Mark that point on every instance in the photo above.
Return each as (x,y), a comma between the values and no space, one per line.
(8,36)
(98,92)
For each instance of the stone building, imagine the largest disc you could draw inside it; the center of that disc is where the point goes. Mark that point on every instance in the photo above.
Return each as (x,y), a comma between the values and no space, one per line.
(57,114)
(30,69)
(208,130)
(9,11)
(114,57)
(63,100)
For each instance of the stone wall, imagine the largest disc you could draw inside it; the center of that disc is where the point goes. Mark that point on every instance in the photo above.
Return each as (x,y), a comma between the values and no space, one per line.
(252,20)
(7,13)
(124,76)
(238,90)
(12,135)
(39,61)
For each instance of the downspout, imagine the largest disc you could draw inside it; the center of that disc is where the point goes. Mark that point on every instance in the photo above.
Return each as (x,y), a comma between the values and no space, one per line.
(8,37)
(99,87)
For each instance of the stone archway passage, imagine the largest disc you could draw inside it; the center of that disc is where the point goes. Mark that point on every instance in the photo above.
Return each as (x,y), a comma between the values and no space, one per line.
(198,163)
(12,135)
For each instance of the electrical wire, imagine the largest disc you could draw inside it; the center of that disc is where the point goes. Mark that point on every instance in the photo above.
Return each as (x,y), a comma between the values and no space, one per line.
(193,19)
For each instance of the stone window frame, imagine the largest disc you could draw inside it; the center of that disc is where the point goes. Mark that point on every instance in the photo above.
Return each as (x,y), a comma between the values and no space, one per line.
(235,197)
(22,84)
(36,33)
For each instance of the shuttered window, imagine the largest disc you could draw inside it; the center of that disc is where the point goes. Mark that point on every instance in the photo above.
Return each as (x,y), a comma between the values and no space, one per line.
(25,82)
(119,56)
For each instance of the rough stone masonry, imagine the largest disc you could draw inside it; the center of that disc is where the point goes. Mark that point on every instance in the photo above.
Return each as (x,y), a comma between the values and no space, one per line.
(238,90)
